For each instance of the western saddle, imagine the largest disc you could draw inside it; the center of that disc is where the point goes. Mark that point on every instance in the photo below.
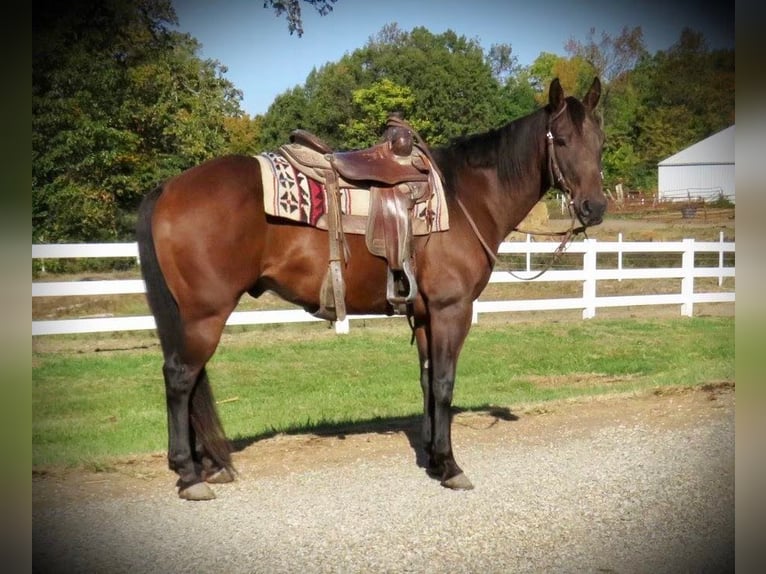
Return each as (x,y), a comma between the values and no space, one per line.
(397,172)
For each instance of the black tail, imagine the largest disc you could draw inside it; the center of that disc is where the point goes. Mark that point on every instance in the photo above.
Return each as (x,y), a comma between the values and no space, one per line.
(161,301)
(203,415)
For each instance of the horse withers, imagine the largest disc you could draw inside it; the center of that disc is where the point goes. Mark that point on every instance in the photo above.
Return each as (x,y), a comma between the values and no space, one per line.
(205,239)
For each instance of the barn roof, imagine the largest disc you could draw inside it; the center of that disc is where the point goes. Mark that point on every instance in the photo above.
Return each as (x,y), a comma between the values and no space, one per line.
(716,149)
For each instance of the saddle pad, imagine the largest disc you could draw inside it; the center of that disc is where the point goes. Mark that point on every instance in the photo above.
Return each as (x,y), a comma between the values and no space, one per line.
(290,194)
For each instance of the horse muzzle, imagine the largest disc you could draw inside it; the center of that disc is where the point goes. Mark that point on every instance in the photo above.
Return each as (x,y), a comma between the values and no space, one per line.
(590,211)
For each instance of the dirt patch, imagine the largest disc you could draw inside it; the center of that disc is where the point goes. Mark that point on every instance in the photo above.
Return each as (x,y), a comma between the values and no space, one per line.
(577,380)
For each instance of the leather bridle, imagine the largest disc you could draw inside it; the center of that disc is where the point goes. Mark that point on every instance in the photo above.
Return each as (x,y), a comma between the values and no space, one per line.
(554,171)
(556,177)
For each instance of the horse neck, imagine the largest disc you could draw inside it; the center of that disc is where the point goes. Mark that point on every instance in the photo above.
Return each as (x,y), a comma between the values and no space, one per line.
(499,197)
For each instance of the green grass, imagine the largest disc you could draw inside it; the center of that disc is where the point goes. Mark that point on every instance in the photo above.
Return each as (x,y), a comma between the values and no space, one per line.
(89,406)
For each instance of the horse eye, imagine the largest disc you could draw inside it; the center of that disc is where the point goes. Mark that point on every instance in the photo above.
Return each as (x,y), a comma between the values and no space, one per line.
(560,141)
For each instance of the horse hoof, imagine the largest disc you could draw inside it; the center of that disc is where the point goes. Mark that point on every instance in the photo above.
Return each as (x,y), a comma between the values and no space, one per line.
(197,491)
(220,476)
(458,482)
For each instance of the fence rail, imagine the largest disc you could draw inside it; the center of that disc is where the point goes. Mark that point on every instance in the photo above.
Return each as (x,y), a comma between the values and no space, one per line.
(589,274)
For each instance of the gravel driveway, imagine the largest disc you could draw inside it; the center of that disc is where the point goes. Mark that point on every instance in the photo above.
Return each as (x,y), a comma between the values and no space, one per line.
(622,484)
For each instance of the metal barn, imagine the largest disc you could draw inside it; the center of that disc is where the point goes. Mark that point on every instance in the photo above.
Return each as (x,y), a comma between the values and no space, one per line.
(703,171)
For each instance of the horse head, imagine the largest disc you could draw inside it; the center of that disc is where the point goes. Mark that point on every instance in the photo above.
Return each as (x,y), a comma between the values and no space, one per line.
(574,145)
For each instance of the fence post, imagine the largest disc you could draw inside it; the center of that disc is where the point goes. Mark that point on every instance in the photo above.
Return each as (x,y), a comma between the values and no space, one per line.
(619,257)
(529,254)
(589,284)
(720,259)
(687,282)
(341,327)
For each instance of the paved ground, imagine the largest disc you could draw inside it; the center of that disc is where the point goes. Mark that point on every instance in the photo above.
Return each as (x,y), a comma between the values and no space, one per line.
(625,484)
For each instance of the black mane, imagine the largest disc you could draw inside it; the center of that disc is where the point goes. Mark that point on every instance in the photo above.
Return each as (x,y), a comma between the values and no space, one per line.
(505,149)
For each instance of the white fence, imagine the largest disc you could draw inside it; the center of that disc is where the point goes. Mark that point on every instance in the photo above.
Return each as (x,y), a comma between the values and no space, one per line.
(694,194)
(589,275)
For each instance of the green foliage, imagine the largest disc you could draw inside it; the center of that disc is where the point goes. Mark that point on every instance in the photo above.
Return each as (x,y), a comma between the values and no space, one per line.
(721,203)
(541,72)
(518,96)
(686,94)
(285,114)
(375,104)
(243,134)
(120,102)
(443,80)
(502,62)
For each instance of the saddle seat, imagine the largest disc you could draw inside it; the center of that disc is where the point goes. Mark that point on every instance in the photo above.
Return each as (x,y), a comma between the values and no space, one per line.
(390,162)
(397,174)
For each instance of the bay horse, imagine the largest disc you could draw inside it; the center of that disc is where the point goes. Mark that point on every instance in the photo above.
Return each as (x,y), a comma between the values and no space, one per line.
(205,240)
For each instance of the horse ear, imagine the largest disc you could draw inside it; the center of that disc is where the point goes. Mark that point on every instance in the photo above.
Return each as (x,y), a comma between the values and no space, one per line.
(594,94)
(556,95)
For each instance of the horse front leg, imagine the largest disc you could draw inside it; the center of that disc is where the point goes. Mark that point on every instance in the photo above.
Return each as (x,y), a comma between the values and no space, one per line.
(426,434)
(447,331)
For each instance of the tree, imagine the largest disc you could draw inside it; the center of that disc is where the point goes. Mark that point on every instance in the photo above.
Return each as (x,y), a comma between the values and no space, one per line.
(292,10)
(691,75)
(610,58)
(621,160)
(540,73)
(502,62)
(519,95)
(375,104)
(331,101)
(120,102)
(286,113)
(451,81)
(447,76)
(243,133)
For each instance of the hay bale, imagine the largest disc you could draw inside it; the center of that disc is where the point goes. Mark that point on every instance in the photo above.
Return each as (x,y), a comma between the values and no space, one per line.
(536,220)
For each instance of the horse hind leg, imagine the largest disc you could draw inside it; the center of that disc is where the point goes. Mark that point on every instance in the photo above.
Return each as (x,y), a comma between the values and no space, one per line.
(198,450)
(179,383)
(192,419)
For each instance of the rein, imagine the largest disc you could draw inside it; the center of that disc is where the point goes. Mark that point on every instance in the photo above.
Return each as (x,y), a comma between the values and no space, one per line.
(566,238)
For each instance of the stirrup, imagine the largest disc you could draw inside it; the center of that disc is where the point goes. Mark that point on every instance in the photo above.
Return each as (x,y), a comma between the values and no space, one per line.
(398,300)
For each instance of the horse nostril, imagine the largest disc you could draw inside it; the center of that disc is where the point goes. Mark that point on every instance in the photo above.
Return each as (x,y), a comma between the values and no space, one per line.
(585,207)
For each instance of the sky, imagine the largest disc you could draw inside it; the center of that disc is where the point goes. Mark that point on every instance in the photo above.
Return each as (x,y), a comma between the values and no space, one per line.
(264,60)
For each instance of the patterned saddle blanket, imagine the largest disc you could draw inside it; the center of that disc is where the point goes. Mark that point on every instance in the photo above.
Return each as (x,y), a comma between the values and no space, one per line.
(293,195)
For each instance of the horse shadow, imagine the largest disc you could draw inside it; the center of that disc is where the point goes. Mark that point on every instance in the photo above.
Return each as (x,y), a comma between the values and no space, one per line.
(409,425)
